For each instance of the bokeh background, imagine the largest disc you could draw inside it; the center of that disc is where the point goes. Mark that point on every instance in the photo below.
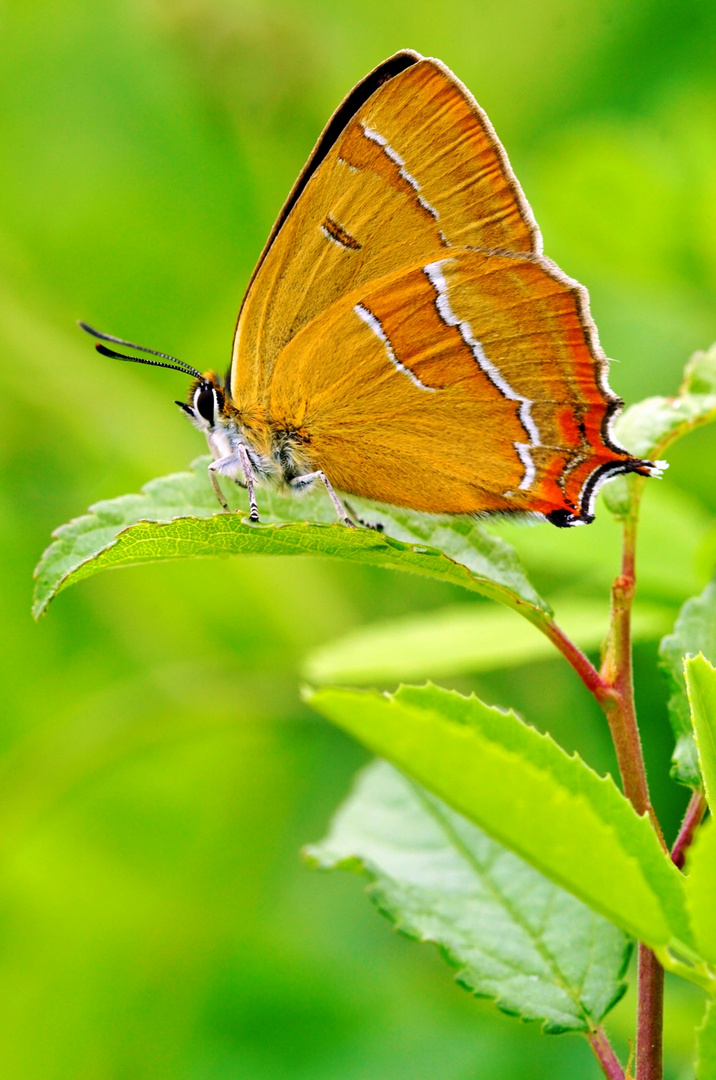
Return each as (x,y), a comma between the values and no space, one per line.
(159,773)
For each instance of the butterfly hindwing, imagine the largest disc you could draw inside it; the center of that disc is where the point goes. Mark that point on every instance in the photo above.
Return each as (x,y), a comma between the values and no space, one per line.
(469,383)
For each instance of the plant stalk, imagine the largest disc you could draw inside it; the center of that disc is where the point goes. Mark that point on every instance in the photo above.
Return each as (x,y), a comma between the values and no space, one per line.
(613,688)
(613,685)
(605,1055)
(575,658)
(617,674)
(692,819)
(649,1016)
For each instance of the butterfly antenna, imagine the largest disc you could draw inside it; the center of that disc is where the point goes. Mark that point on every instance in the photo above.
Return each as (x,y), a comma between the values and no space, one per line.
(175,365)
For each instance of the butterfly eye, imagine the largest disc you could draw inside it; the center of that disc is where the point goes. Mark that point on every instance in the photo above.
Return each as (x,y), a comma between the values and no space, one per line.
(204,403)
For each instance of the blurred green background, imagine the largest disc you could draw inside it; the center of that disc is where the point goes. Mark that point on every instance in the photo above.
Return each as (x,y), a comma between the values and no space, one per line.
(159,773)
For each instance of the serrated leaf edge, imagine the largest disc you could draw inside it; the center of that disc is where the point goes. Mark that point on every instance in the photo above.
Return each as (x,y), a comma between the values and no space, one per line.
(551,873)
(375,891)
(606,783)
(494,589)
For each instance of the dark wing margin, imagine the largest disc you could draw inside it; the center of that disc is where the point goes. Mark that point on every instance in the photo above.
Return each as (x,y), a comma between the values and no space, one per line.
(338,121)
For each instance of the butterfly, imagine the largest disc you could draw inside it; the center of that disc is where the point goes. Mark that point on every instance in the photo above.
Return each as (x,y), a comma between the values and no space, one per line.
(402,337)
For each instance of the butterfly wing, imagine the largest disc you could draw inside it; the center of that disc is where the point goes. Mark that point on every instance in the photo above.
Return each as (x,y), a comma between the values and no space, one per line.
(408,167)
(471,383)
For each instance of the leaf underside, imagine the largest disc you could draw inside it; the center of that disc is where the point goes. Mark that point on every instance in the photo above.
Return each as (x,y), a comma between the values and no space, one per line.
(694,632)
(701,688)
(513,935)
(176,517)
(648,428)
(706,1044)
(701,890)
(528,794)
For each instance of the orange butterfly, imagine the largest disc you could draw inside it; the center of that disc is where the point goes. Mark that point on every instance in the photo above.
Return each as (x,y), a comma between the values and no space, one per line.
(403,338)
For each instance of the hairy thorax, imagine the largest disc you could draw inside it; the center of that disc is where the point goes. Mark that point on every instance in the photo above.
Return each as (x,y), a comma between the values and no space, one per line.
(278,453)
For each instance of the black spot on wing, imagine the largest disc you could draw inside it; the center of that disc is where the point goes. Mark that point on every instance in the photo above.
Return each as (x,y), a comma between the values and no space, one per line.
(333,231)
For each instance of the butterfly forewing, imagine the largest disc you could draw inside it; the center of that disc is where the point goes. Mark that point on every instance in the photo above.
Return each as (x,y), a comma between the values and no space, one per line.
(417,170)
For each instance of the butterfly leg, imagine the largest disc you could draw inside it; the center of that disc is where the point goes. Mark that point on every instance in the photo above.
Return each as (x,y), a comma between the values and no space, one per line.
(377,526)
(305,481)
(249,478)
(228,466)
(217,489)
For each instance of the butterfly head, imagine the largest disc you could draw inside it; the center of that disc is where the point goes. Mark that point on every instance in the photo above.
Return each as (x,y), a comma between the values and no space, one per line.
(206,403)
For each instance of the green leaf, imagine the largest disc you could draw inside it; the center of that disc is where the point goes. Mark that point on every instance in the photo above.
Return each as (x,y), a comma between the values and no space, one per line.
(700,373)
(649,427)
(701,890)
(513,935)
(706,1044)
(694,632)
(175,517)
(528,794)
(701,688)
(476,637)
(653,424)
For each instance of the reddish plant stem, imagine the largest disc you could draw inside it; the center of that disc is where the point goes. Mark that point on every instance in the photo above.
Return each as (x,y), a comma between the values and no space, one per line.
(613,688)
(613,685)
(575,657)
(692,819)
(605,1055)
(617,673)
(649,1017)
